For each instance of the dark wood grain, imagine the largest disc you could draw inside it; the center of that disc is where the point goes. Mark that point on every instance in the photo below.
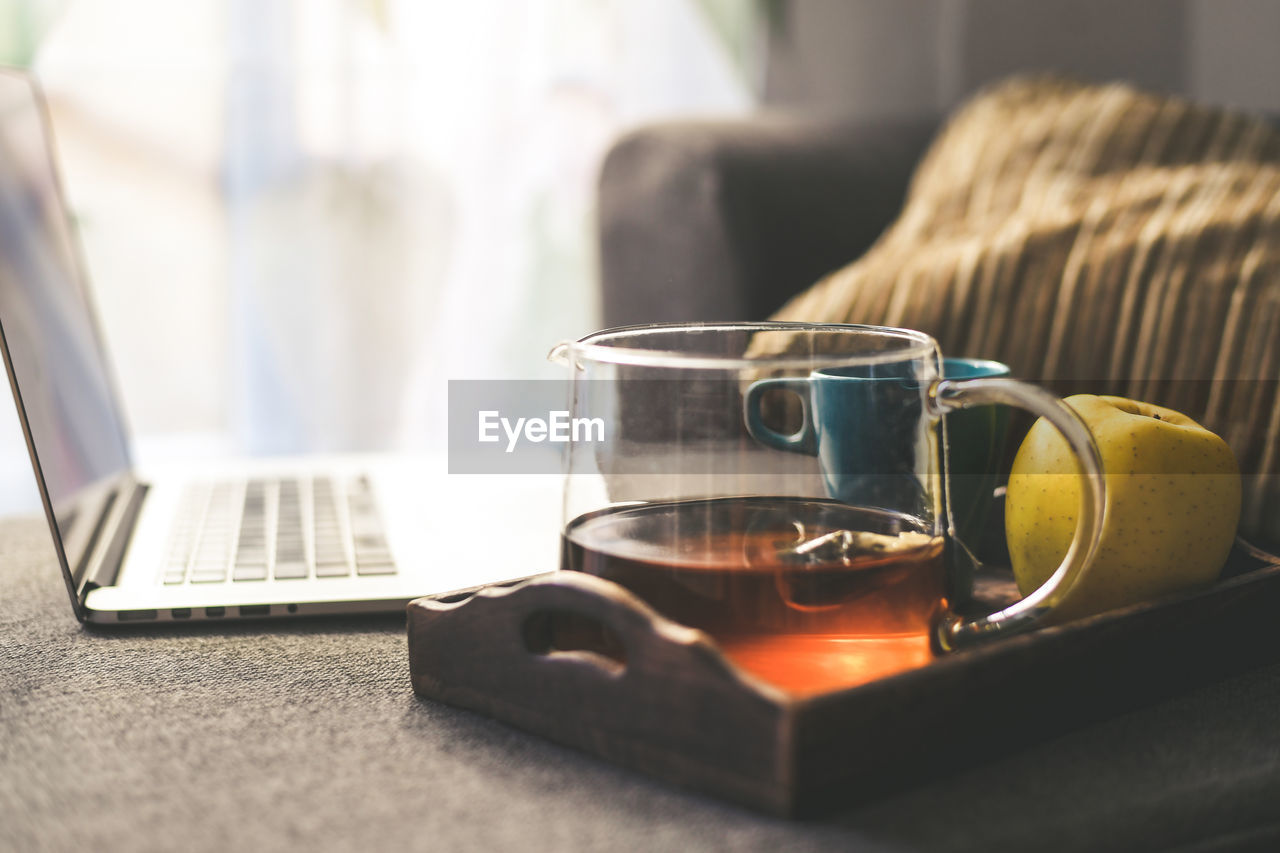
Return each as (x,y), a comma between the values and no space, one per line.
(671,705)
(676,709)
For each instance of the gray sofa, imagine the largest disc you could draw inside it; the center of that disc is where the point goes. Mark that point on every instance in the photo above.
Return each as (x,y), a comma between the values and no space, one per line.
(724,220)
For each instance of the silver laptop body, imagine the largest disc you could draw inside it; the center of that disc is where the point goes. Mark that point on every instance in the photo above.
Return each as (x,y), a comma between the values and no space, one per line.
(238,539)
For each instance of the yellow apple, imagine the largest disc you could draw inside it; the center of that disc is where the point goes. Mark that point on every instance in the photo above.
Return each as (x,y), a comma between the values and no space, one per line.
(1173,503)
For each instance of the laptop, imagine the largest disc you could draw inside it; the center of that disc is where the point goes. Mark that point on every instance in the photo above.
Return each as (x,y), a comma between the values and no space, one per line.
(234,539)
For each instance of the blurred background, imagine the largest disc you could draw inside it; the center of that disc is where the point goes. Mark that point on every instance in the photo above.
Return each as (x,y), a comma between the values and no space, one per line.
(302,217)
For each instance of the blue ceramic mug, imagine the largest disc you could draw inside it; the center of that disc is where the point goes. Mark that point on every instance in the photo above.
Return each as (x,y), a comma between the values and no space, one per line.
(861,423)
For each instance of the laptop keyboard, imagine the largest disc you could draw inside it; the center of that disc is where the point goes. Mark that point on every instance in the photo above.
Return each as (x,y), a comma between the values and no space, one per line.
(288,529)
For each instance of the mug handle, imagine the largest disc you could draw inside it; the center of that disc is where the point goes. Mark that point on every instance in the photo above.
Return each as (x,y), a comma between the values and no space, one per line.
(803,440)
(948,395)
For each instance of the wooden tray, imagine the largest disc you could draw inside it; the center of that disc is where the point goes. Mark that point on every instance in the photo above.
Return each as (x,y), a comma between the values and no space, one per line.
(668,703)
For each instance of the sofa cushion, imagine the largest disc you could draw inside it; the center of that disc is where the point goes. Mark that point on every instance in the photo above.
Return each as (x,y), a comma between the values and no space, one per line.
(1098,239)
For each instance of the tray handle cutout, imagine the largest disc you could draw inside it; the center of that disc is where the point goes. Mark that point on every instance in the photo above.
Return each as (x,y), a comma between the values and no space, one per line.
(571,635)
(554,630)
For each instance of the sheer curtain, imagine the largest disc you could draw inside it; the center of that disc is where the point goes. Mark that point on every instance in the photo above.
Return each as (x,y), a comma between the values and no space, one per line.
(302,218)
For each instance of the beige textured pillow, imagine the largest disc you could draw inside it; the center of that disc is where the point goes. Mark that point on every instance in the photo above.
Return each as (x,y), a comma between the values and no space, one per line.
(1099,239)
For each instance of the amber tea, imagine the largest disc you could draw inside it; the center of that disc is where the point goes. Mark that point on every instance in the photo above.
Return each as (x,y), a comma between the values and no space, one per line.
(808,594)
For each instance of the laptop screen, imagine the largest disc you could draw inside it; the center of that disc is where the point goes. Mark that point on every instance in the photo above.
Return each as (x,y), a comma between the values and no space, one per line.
(55,355)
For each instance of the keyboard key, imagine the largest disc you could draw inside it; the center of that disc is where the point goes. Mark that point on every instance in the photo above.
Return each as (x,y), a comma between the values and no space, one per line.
(291,570)
(173,576)
(332,570)
(376,568)
(250,573)
(208,575)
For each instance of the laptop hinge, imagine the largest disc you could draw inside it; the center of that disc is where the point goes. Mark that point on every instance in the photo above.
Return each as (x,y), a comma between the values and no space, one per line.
(103,565)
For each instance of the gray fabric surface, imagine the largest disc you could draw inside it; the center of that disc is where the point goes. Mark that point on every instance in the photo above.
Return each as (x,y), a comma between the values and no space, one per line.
(307,736)
(724,220)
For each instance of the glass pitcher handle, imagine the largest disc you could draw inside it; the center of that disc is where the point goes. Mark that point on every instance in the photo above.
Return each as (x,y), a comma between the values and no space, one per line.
(947,395)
